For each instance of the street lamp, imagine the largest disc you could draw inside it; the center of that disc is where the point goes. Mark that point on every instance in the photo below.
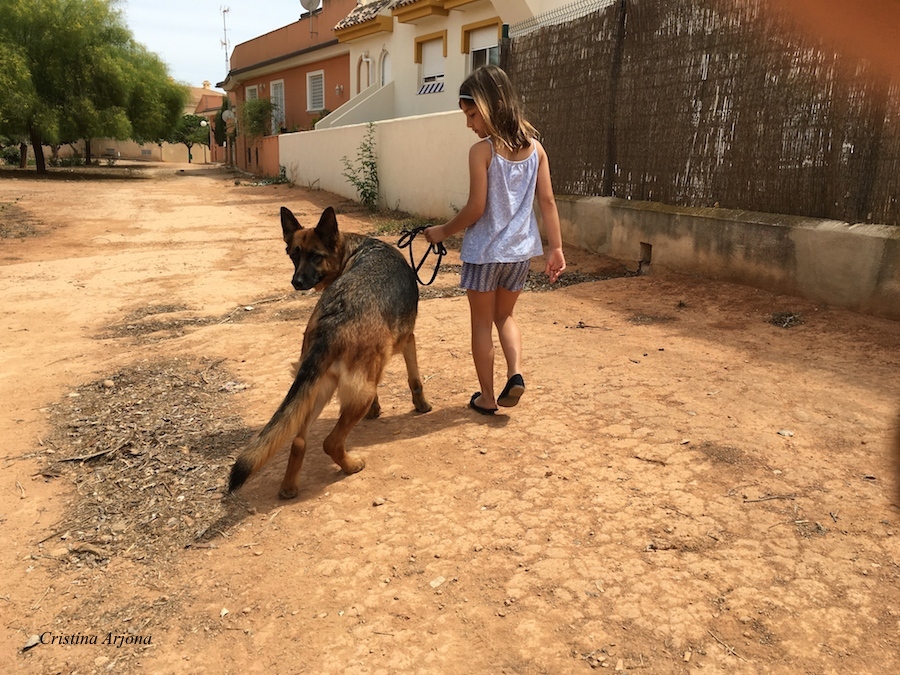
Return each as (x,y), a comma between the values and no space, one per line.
(204,123)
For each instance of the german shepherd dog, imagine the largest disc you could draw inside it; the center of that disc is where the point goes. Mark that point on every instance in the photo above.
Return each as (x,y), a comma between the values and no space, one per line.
(365,315)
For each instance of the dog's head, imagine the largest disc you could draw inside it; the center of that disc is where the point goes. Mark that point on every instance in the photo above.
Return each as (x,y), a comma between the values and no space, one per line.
(315,252)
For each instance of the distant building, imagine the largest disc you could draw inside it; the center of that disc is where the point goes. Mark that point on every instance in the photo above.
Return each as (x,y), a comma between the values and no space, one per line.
(203,101)
(356,61)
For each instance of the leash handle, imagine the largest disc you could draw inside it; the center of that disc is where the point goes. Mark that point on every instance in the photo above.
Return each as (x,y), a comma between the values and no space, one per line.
(406,240)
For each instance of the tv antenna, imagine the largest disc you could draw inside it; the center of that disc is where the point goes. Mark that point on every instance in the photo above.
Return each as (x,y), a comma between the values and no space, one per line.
(224,41)
(311,6)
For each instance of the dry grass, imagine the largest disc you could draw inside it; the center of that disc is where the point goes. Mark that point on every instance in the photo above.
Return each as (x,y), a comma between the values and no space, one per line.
(148,451)
(16,222)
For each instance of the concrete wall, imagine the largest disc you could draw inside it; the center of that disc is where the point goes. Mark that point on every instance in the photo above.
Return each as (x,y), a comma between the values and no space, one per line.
(268,156)
(422,167)
(851,266)
(105,148)
(422,161)
(375,103)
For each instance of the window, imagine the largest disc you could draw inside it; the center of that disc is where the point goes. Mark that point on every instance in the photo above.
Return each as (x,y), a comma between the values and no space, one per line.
(363,72)
(480,41)
(276,90)
(432,61)
(431,52)
(315,91)
(486,56)
(386,75)
(251,93)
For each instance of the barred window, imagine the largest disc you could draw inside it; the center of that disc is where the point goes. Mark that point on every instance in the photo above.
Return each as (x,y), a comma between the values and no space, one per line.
(276,89)
(315,91)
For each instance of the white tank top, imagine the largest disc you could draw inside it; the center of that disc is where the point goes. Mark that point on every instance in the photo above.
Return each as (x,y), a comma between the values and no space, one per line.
(507,230)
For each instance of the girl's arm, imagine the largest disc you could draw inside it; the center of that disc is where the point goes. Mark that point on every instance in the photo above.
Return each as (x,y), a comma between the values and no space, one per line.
(479,160)
(556,261)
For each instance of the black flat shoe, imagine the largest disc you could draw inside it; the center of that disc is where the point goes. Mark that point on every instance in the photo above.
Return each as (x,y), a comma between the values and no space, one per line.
(477,408)
(512,392)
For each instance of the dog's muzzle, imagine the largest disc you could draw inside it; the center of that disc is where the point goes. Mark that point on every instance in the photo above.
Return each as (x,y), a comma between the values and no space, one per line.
(303,282)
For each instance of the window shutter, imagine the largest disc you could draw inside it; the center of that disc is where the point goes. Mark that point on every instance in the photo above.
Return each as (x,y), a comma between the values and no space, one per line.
(315,92)
(277,89)
(432,60)
(483,38)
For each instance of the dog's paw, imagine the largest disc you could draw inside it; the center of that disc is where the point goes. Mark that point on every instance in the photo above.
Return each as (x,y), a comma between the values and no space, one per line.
(288,493)
(352,464)
(374,411)
(419,401)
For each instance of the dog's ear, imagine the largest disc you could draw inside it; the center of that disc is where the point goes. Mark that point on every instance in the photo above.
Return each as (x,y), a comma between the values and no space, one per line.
(289,225)
(327,229)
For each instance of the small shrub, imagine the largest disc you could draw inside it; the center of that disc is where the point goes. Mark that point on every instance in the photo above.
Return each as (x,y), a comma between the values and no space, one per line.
(256,117)
(11,155)
(74,160)
(365,176)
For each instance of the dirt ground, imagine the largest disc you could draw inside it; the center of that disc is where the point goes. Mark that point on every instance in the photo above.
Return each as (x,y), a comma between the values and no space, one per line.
(698,478)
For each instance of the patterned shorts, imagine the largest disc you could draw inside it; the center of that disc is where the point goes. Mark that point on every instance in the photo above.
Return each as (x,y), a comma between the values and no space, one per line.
(491,276)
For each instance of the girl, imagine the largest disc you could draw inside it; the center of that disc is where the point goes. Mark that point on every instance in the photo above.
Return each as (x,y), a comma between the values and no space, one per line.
(508,170)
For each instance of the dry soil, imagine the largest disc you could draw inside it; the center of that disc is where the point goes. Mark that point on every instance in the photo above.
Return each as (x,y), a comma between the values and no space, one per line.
(698,478)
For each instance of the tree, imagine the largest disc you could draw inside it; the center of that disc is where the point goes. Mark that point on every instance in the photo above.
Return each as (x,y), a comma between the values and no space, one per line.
(18,94)
(190,131)
(256,118)
(19,102)
(220,128)
(155,104)
(226,129)
(74,71)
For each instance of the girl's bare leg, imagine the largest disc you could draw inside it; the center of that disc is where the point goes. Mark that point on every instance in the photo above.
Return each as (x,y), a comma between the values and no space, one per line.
(508,329)
(481,310)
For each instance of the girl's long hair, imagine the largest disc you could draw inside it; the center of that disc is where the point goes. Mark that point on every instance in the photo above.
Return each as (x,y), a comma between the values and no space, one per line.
(490,90)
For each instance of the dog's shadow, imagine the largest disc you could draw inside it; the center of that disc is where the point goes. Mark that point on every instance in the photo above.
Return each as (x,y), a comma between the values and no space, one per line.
(411,424)
(320,473)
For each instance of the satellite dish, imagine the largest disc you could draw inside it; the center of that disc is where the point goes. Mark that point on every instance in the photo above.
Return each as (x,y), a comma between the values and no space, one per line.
(310,5)
(227,115)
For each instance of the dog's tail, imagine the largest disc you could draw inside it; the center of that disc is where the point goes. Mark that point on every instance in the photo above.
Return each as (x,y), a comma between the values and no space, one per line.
(287,420)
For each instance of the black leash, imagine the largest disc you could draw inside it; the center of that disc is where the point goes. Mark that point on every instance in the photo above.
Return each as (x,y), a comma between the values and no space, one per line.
(406,239)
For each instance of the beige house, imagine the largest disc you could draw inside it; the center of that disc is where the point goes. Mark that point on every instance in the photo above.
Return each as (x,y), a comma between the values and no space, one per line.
(377,60)
(408,57)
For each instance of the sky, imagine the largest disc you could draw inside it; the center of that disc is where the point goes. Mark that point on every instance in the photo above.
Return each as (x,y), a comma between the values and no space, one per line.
(187,34)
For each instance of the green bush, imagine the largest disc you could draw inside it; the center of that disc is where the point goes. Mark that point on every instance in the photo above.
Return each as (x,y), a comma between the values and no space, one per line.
(74,160)
(11,155)
(365,176)
(256,117)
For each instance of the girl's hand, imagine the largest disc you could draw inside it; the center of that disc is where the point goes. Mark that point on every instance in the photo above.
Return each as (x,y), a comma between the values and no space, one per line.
(556,263)
(434,234)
